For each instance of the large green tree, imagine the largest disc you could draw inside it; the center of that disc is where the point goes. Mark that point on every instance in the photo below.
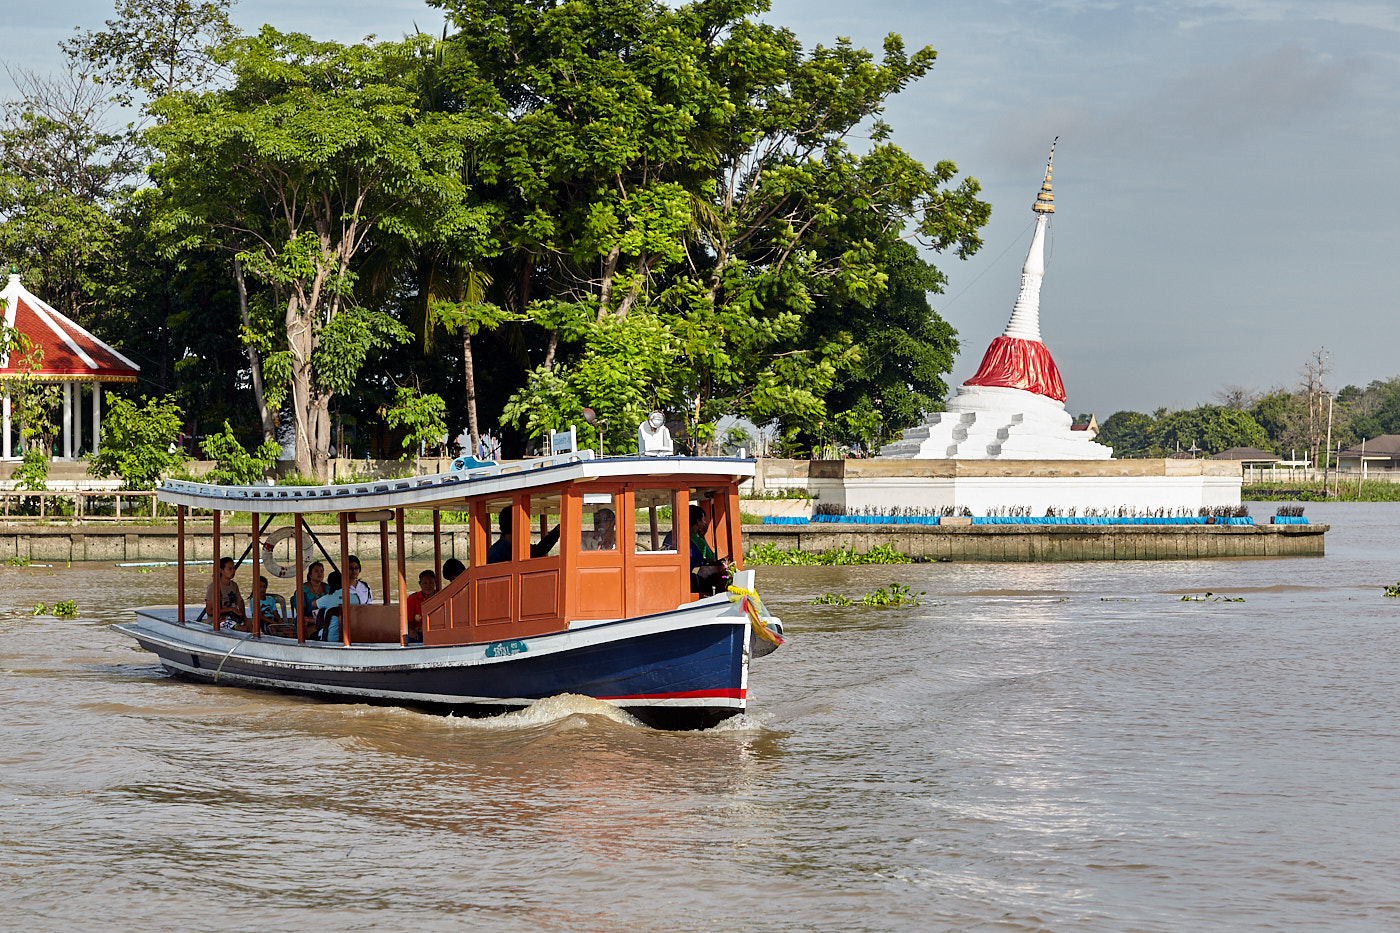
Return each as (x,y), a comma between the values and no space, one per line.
(697,165)
(316,154)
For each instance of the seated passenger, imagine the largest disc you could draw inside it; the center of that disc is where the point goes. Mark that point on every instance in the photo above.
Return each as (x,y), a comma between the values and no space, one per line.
(427,588)
(313,589)
(270,621)
(226,611)
(453,569)
(708,573)
(328,619)
(502,550)
(354,584)
(603,537)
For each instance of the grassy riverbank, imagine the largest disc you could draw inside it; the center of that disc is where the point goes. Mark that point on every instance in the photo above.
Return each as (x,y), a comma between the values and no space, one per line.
(1342,490)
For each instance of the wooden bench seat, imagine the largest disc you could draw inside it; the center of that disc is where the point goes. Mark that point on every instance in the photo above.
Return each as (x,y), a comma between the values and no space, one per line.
(374,623)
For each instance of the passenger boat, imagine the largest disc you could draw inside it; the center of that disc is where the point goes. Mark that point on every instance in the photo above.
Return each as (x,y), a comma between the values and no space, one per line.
(573,607)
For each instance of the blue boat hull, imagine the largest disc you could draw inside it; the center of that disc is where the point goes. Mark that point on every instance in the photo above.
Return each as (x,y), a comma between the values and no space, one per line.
(692,674)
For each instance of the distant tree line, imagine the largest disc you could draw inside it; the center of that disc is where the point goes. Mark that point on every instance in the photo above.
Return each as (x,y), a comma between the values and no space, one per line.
(623,206)
(1284,421)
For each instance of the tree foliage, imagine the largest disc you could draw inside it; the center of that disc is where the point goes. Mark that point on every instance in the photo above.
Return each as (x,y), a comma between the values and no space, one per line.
(421,416)
(233,465)
(697,163)
(155,46)
(1209,429)
(618,206)
(139,441)
(316,150)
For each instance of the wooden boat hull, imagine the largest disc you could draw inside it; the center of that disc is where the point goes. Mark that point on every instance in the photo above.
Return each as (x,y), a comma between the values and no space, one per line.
(683,669)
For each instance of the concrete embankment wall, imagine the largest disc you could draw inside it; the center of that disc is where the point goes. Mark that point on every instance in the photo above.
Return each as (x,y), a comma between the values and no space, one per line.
(882,485)
(1024,543)
(158,542)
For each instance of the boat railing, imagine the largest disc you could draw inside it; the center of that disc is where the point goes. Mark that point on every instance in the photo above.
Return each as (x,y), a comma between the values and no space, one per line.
(294,494)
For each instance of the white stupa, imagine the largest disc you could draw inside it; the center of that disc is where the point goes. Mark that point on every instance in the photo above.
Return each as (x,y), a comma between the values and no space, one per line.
(1014,407)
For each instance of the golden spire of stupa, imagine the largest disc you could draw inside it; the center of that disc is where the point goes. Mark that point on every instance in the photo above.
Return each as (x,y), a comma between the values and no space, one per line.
(1045,201)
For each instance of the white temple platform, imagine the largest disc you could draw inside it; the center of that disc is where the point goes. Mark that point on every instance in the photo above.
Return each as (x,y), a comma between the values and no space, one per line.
(884,485)
(995,423)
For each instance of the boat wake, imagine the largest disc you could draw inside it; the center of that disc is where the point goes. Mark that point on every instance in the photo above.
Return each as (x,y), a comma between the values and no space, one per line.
(744,722)
(548,712)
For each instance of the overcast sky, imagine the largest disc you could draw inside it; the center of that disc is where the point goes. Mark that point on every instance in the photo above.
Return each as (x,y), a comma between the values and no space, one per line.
(1225,183)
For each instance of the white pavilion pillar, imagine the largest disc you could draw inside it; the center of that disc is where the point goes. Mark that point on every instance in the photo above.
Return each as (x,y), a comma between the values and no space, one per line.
(77,418)
(6,452)
(96,417)
(68,420)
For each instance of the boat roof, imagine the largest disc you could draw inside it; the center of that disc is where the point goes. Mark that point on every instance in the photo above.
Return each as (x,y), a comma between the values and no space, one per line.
(451,490)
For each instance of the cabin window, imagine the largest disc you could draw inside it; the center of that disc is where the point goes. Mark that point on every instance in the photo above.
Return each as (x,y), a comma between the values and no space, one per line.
(655,511)
(599,529)
(543,514)
(498,547)
(711,503)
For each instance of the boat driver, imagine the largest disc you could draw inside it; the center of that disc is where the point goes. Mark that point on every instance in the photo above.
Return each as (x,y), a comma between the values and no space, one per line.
(603,537)
(708,573)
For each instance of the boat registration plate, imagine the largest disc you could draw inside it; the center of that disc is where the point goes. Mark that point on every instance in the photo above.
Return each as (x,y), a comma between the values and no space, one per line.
(504,649)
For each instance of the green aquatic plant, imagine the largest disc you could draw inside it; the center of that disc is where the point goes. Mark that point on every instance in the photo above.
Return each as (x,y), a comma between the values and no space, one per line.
(892,595)
(39,609)
(67,609)
(832,599)
(17,561)
(772,555)
(1393,590)
(778,494)
(1209,597)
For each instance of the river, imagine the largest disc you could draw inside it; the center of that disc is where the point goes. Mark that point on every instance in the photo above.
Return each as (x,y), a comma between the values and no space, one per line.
(1059,747)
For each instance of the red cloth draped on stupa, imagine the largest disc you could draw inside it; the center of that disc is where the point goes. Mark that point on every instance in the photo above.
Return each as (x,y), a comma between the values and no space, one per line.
(1013,363)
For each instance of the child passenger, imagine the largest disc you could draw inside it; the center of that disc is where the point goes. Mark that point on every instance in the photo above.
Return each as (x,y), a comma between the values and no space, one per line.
(427,588)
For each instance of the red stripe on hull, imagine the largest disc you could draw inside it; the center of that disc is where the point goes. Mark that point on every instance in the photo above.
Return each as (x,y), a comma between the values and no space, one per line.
(730,694)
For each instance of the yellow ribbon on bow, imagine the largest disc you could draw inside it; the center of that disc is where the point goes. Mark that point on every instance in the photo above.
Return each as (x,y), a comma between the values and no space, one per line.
(750,603)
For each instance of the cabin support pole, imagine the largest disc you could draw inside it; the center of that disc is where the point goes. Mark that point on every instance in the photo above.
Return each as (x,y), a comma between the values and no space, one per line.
(384,557)
(301,574)
(437,547)
(218,596)
(180,562)
(344,580)
(257,572)
(403,576)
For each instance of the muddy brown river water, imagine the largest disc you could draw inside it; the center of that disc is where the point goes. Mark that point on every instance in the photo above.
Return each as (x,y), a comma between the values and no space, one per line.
(1064,747)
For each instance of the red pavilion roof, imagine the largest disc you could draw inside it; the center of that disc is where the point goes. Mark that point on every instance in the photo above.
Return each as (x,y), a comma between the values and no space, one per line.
(70,352)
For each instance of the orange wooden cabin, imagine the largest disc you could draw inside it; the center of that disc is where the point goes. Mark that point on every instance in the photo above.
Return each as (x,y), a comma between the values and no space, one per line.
(644,572)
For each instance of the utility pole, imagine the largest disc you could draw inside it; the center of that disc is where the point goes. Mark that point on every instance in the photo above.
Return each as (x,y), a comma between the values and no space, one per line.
(1327,451)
